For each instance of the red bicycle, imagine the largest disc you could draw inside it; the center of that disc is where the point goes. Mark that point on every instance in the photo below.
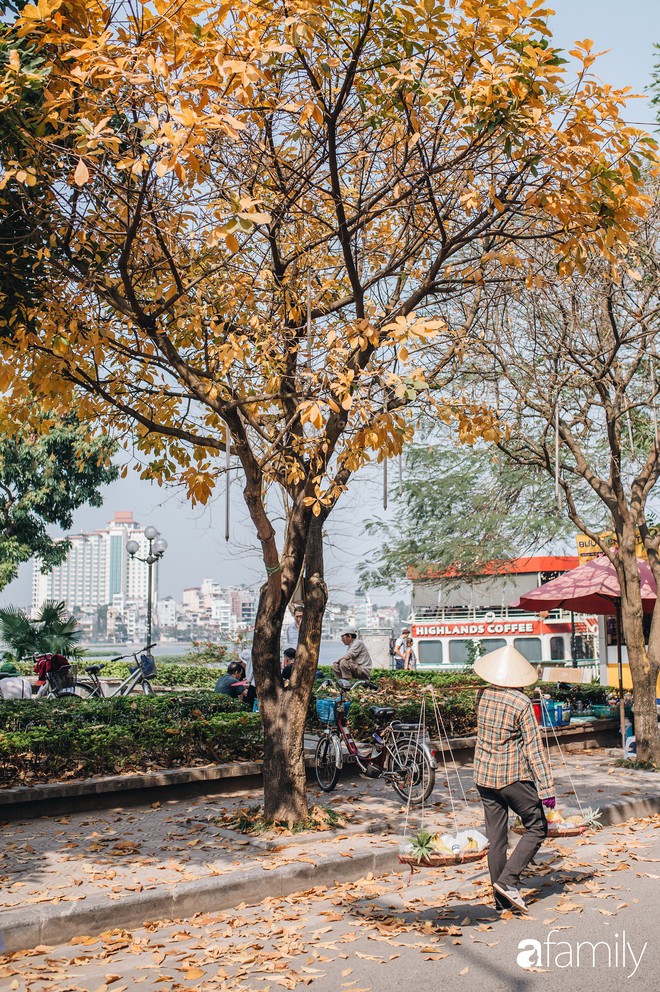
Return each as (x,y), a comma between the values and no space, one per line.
(397,754)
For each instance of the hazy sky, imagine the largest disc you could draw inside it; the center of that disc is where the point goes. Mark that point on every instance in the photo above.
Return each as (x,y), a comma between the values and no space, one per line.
(197,548)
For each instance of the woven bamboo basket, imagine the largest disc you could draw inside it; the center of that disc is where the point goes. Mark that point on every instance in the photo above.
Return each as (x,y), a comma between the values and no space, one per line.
(436,860)
(559,829)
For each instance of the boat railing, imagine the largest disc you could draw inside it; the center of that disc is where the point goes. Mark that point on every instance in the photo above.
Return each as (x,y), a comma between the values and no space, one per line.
(424,614)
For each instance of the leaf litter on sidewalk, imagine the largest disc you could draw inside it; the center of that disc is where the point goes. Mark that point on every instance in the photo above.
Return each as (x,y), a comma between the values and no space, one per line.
(271,946)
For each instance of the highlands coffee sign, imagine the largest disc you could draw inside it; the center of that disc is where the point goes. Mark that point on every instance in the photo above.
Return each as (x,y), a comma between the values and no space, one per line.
(490,628)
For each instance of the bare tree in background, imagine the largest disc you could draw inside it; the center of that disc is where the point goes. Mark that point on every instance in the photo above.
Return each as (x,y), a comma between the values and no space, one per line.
(572,367)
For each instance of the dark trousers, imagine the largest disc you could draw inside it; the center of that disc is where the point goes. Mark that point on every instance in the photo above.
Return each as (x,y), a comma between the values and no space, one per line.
(523,799)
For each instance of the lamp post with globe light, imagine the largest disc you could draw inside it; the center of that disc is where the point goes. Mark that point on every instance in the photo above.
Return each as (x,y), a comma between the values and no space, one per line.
(157,548)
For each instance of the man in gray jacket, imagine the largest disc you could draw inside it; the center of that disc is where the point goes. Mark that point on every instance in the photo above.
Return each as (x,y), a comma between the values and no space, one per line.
(356,663)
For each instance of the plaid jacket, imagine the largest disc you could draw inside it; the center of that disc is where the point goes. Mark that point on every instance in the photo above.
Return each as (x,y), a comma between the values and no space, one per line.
(509,746)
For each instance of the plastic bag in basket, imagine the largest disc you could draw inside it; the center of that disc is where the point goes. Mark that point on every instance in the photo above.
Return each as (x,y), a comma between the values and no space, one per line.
(424,845)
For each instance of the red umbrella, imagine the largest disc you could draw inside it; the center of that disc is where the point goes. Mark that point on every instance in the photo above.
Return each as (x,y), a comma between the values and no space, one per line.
(589,588)
(593,588)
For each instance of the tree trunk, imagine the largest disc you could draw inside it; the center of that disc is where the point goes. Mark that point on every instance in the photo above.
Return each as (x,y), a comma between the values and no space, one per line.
(643,671)
(284,709)
(285,787)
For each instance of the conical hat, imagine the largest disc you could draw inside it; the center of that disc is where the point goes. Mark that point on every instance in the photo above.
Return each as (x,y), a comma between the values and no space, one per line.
(505,667)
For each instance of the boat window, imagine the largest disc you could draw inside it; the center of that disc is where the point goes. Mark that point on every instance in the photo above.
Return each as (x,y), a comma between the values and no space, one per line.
(429,652)
(489,644)
(557,648)
(529,647)
(460,652)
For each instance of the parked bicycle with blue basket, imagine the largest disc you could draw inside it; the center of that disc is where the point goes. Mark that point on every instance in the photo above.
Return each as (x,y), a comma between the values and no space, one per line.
(139,675)
(400,752)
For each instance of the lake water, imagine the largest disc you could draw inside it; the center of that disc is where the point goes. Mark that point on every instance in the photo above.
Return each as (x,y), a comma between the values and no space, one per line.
(330,650)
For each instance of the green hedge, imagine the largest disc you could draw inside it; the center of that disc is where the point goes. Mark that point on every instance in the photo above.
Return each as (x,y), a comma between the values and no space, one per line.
(50,740)
(457,708)
(18,715)
(193,676)
(44,740)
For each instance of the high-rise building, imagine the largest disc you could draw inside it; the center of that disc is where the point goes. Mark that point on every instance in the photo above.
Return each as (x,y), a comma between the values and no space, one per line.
(98,570)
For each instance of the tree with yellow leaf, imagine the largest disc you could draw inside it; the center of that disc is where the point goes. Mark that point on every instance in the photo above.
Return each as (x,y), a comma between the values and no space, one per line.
(258,216)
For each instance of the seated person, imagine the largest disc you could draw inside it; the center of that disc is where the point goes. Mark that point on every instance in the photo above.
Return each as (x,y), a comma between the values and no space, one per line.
(356,662)
(235,685)
(288,657)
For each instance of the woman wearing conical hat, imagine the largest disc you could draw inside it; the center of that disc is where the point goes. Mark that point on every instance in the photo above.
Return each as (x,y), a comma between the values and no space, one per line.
(511,770)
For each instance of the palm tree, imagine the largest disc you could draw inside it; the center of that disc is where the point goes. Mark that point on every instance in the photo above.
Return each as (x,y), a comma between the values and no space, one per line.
(52,630)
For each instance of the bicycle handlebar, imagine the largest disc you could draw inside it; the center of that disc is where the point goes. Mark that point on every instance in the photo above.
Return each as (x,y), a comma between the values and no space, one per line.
(134,654)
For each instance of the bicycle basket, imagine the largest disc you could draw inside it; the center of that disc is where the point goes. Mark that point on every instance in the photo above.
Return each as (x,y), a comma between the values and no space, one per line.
(147,665)
(62,678)
(326,710)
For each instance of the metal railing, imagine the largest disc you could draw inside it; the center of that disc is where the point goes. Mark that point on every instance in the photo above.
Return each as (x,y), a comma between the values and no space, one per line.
(424,614)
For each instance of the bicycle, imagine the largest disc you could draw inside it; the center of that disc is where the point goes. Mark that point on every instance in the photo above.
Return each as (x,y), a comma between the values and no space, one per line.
(141,674)
(56,675)
(397,754)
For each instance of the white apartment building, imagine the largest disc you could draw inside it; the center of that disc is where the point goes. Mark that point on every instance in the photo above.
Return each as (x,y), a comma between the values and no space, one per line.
(166,611)
(192,600)
(221,615)
(210,592)
(98,570)
(363,609)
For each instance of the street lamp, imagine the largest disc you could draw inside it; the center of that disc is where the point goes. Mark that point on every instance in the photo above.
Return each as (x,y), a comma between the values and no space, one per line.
(157,548)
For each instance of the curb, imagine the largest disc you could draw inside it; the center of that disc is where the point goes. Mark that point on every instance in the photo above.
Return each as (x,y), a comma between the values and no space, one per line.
(21,929)
(57,798)
(51,925)
(628,809)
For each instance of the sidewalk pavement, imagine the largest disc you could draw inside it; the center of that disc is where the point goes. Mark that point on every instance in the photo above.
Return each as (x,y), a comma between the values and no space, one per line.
(92,871)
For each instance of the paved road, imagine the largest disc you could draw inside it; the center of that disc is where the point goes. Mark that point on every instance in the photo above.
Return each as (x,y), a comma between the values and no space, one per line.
(439,931)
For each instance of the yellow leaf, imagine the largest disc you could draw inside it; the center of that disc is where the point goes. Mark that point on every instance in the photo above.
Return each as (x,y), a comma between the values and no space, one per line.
(232,242)
(194,973)
(81,175)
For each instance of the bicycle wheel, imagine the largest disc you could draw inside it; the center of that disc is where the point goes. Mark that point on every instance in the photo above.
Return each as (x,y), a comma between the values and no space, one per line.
(81,690)
(413,772)
(327,755)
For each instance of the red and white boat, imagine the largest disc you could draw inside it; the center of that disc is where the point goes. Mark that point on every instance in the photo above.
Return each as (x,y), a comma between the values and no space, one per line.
(455,619)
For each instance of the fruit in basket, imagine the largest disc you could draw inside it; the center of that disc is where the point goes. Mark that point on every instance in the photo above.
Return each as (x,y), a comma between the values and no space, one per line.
(553,816)
(470,846)
(438,845)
